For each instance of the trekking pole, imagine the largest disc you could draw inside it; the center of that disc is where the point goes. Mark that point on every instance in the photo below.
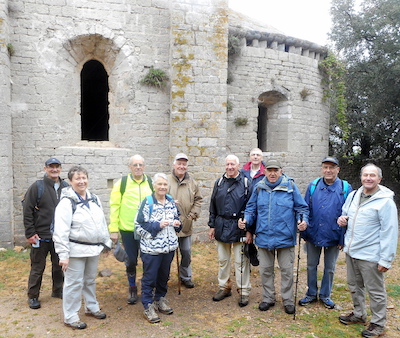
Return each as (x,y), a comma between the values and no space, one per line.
(241,274)
(177,268)
(297,273)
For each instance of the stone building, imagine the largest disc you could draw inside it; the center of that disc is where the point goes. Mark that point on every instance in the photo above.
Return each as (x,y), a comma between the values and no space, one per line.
(70,87)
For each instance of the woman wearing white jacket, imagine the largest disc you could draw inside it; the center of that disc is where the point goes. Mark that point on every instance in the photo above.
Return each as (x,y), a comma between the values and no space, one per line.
(80,235)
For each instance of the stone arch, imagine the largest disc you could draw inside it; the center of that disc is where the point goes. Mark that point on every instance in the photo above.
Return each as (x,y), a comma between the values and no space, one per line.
(273,121)
(93,46)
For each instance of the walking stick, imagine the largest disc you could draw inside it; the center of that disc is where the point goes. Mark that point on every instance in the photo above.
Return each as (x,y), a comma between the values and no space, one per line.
(297,273)
(177,268)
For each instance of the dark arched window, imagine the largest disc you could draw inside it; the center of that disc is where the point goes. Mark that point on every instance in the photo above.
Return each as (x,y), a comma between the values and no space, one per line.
(94,102)
(262,127)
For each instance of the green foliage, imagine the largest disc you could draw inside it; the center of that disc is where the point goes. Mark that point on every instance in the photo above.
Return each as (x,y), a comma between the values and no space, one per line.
(234,44)
(368,40)
(335,92)
(10,49)
(240,121)
(393,290)
(229,106)
(155,78)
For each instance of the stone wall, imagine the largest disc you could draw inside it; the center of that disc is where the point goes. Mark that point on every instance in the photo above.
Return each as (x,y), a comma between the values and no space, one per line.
(6,163)
(187,39)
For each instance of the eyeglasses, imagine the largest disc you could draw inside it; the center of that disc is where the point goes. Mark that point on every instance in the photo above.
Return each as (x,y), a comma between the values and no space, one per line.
(137,165)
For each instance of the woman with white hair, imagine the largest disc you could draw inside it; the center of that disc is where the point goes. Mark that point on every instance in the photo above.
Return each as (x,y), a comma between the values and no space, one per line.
(157,222)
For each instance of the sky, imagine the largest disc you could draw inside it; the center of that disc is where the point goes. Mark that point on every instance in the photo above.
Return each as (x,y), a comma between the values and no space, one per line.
(304,19)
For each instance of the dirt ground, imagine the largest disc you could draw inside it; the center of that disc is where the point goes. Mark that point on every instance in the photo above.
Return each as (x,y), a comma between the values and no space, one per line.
(195,314)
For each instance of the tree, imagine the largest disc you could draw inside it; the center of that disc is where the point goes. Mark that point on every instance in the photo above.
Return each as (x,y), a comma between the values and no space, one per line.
(368,41)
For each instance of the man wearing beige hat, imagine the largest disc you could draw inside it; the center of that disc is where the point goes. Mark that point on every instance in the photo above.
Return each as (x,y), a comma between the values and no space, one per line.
(186,193)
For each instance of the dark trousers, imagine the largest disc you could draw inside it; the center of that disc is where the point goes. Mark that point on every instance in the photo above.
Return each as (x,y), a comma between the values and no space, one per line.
(38,264)
(131,246)
(156,269)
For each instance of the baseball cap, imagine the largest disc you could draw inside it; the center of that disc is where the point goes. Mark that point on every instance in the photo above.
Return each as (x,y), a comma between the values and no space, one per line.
(331,159)
(181,156)
(51,161)
(272,163)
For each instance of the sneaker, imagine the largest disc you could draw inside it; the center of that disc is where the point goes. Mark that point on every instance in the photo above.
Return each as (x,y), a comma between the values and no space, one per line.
(243,300)
(374,330)
(34,303)
(264,306)
(351,319)
(76,325)
(187,283)
(133,297)
(162,306)
(151,315)
(328,303)
(290,309)
(307,300)
(221,294)
(97,314)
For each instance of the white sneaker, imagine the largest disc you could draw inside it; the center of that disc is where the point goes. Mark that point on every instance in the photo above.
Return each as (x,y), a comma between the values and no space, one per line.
(151,314)
(163,307)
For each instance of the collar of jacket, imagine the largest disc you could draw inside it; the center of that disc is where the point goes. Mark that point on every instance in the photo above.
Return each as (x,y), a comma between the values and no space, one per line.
(285,185)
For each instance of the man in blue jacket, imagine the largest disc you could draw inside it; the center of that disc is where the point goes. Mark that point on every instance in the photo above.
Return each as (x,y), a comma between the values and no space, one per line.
(370,244)
(274,213)
(325,197)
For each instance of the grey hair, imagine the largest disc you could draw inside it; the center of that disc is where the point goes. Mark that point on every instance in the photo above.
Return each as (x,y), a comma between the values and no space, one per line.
(233,157)
(372,165)
(160,175)
(135,157)
(77,169)
(256,149)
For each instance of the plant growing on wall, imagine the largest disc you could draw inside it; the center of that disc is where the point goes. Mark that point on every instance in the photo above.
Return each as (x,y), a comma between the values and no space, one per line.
(10,49)
(304,93)
(335,91)
(155,78)
(229,106)
(240,121)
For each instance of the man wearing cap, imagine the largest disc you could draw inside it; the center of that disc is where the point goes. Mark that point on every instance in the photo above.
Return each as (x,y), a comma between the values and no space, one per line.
(125,199)
(39,204)
(325,197)
(274,213)
(186,193)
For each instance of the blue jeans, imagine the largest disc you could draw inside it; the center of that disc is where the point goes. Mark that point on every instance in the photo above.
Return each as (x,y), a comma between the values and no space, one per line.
(331,254)
(156,269)
(131,246)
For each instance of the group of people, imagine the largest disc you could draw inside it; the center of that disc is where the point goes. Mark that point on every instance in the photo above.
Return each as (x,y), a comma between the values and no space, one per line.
(257,204)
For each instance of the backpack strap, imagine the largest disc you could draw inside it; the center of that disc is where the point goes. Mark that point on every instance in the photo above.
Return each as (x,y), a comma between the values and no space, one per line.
(122,188)
(150,202)
(314,185)
(40,191)
(345,186)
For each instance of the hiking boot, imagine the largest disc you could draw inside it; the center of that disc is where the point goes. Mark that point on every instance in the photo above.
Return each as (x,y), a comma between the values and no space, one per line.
(290,309)
(34,303)
(221,294)
(187,283)
(133,297)
(163,306)
(151,315)
(243,300)
(76,325)
(351,319)
(328,303)
(374,330)
(97,314)
(307,300)
(57,295)
(264,306)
